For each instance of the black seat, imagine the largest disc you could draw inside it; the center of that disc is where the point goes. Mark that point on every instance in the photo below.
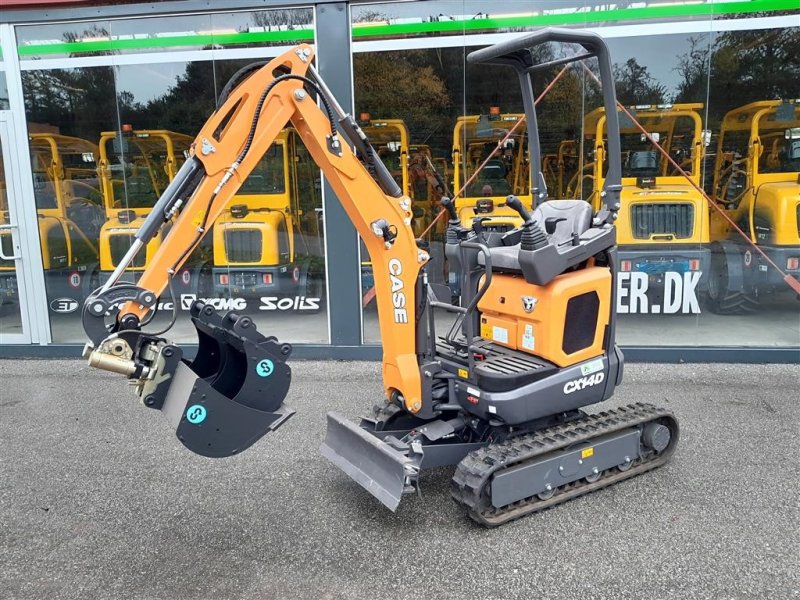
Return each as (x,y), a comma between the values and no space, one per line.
(562,220)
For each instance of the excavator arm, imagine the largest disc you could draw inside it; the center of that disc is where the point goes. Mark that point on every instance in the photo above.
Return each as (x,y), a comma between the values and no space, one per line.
(233,360)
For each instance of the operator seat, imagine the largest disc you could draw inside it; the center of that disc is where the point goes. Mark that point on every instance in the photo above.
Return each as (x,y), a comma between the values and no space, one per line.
(563,219)
(567,225)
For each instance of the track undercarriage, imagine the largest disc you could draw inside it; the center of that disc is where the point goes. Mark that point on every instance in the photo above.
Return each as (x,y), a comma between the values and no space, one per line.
(503,473)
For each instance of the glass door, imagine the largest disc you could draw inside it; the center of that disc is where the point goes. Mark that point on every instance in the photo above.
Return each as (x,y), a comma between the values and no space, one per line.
(14,327)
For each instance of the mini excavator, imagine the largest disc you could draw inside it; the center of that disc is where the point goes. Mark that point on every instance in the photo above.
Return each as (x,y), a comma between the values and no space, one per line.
(500,395)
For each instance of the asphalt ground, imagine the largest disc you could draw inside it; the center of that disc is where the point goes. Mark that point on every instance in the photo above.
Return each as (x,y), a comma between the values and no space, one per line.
(98,499)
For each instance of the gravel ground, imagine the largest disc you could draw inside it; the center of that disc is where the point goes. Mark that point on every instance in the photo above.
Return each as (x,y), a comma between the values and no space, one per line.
(99,500)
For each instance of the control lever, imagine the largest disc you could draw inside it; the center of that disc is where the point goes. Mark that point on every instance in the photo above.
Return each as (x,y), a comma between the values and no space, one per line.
(455,231)
(533,237)
(477,227)
(450,206)
(515,203)
(551,223)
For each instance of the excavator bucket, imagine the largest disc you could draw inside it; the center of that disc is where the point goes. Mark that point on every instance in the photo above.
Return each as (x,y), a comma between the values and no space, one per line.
(232,393)
(382,469)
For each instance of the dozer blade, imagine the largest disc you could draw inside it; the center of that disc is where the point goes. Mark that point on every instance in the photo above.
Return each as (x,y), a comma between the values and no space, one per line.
(382,470)
(231,394)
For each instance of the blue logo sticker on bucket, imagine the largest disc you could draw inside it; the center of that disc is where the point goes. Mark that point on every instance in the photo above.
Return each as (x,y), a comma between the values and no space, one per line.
(265,368)
(196,414)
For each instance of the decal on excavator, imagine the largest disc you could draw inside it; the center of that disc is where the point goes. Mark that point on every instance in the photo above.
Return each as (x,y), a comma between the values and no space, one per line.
(398,295)
(583,382)
(196,414)
(265,368)
(529,303)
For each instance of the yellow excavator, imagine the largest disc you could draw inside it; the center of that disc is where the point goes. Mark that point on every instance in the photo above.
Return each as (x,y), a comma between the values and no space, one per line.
(9,292)
(560,166)
(256,251)
(500,395)
(136,166)
(413,170)
(410,165)
(68,206)
(663,227)
(757,185)
(485,177)
(508,172)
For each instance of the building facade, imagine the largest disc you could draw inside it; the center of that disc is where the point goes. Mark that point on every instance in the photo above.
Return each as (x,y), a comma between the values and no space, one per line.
(99,104)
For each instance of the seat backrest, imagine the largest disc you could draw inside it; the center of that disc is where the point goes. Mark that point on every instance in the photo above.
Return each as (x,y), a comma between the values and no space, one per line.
(577,215)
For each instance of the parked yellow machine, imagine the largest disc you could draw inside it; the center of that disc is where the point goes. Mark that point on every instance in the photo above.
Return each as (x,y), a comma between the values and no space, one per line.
(68,202)
(558,168)
(474,138)
(410,165)
(663,226)
(414,169)
(757,183)
(260,248)
(135,168)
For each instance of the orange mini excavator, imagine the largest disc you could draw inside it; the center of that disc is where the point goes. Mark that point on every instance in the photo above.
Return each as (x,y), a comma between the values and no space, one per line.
(499,395)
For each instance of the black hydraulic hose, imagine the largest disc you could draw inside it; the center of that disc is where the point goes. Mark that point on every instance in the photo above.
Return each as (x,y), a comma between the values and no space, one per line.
(251,135)
(235,78)
(263,98)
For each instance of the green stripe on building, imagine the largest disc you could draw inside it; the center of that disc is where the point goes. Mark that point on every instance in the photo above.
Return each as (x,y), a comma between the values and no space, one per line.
(172,41)
(364,31)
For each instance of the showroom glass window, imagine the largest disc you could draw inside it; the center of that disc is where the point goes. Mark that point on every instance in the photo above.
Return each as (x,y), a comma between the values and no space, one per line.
(679,80)
(112,110)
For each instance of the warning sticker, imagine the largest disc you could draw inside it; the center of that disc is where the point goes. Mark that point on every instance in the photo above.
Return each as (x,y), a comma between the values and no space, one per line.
(587,452)
(500,334)
(592,367)
(463,373)
(528,341)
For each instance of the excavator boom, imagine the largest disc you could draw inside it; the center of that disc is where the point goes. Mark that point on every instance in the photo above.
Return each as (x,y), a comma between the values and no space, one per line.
(227,149)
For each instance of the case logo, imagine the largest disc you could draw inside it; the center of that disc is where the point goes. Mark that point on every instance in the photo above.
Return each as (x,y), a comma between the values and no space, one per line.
(398,295)
(528,303)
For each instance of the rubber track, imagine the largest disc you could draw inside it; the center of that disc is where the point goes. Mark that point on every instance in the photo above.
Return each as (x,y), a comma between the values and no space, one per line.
(475,471)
